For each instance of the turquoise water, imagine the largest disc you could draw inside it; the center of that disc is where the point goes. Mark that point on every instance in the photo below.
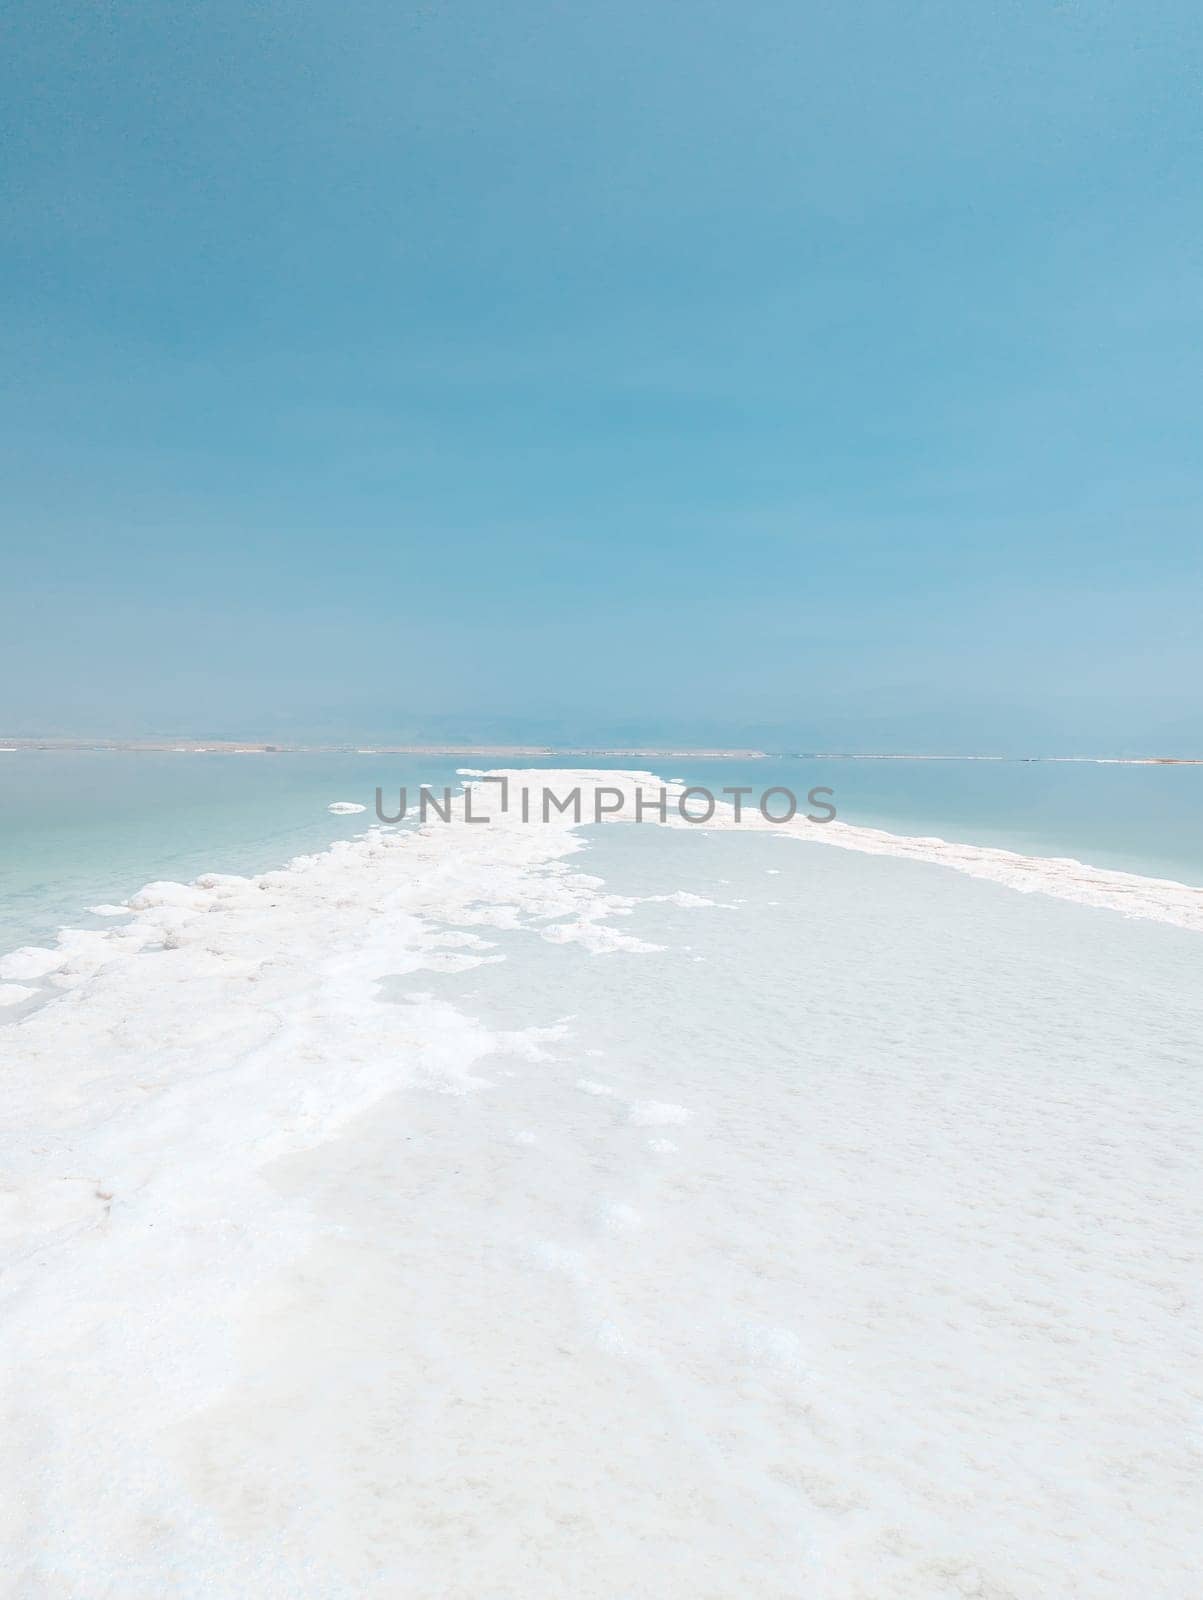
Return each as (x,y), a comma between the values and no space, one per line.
(1130,818)
(82,827)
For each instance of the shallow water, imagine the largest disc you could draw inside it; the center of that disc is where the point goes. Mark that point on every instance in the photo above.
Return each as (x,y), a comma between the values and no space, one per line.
(77,828)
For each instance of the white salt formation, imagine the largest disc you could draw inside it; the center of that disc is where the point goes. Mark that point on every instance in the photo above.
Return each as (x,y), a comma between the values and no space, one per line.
(432,1218)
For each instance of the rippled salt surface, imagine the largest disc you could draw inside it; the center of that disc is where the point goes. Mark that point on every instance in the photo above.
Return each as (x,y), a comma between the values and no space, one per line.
(635,1211)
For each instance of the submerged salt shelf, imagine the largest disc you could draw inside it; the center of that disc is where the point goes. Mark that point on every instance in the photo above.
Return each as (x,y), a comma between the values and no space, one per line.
(531,1211)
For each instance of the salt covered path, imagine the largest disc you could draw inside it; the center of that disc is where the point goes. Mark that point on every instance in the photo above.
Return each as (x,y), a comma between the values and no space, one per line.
(680,1214)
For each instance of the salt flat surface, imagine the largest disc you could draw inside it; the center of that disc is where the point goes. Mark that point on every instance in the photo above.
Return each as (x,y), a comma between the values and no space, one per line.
(523,1211)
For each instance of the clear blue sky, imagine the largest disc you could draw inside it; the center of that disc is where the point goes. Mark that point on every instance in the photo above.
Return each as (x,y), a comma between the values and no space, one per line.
(818,373)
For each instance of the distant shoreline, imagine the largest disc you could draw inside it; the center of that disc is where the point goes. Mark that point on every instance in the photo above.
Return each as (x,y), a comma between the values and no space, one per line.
(178,746)
(248,747)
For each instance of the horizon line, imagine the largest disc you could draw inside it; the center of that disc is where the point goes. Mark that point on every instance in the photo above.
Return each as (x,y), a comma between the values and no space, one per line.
(191,746)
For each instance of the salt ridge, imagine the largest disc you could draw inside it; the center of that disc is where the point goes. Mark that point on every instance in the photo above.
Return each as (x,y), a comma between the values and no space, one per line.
(228,1048)
(230,1021)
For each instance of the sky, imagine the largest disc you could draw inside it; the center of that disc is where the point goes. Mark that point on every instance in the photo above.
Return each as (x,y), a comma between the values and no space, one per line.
(803,375)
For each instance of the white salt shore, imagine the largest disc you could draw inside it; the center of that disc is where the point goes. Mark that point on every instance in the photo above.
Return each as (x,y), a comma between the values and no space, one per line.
(428,1218)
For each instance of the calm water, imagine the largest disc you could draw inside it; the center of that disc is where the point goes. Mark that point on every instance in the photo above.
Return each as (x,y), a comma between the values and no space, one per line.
(82,827)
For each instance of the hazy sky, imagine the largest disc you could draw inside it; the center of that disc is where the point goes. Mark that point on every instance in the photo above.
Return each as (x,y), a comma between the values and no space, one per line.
(814,372)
